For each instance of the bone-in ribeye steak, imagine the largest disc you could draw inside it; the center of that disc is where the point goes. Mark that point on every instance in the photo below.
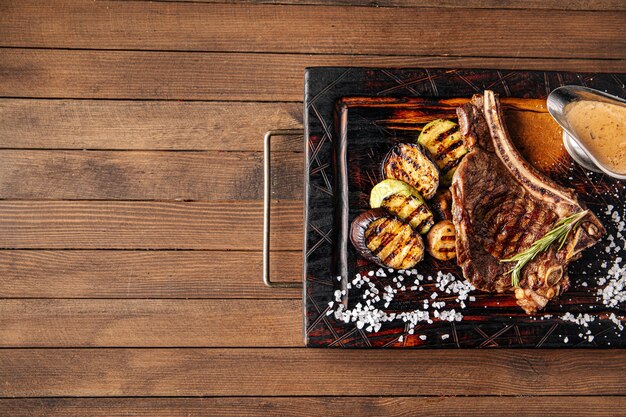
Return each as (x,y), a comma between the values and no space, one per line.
(501,205)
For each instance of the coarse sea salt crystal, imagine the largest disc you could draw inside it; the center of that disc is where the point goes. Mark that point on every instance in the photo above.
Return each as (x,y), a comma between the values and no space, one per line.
(423,337)
(371,318)
(445,336)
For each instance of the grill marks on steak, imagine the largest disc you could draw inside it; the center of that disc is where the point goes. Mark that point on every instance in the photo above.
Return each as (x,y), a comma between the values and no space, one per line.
(501,205)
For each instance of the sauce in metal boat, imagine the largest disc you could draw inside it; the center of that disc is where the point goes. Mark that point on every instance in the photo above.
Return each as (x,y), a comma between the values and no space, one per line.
(601,127)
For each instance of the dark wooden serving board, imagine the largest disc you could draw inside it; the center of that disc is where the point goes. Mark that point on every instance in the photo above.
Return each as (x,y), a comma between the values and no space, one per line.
(353,116)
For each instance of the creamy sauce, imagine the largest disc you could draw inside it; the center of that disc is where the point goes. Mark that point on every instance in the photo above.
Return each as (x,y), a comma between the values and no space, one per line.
(601,128)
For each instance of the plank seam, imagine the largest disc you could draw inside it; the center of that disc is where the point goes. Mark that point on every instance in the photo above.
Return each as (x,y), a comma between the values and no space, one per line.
(192,100)
(308,54)
(399,396)
(373,5)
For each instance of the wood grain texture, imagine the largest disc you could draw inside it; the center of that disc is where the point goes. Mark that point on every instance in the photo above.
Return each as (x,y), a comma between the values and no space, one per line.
(140,175)
(254,53)
(566,406)
(150,323)
(299,371)
(48,73)
(478,4)
(145,274)
(147,125)
(312,29)
(148,225)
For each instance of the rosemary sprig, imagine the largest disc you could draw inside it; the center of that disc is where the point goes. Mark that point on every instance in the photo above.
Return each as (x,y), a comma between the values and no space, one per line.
(559,234)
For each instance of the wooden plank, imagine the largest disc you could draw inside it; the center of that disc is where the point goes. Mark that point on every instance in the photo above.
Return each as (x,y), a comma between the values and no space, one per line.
(147,125)
(145,274)
(147,225)
(150,323)
(565,406)
(299,371)
(475,4)
(45,73)
(139,175)
(221,27)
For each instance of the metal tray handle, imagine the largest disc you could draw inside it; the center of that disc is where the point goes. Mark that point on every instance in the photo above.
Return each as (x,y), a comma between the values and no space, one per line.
(267,200)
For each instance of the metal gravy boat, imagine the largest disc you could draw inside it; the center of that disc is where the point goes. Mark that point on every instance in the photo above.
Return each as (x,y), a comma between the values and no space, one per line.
(558,101)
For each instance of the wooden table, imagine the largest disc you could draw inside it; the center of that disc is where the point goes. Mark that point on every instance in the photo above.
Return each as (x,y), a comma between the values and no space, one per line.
(131,213)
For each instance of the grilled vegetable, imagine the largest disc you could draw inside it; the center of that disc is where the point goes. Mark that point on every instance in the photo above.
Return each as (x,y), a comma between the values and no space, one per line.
(441,204)
(386,240)
(409,163)
(404,201)
(444,142)
(412,210)
(385,188)
(441,241)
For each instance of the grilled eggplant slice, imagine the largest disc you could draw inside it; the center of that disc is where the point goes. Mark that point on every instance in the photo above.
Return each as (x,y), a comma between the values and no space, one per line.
(386,240)
(409,163)
(441,204)
(441,241)
(444,142)
(404,201)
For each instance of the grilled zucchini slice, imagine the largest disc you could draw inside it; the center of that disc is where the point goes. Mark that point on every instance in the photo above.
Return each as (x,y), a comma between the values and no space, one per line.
(409,163)
(404,201)
(444,142)
(441,241)
(412,210)
(386,240)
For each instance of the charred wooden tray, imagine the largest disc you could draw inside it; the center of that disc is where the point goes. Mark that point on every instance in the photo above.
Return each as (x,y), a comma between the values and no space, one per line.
(352,117)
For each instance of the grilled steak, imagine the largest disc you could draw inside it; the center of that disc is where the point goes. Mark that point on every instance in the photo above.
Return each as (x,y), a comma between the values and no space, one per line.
(501,205)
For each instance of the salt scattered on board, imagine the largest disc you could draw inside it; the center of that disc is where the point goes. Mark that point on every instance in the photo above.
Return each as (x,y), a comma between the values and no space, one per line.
(370,317)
